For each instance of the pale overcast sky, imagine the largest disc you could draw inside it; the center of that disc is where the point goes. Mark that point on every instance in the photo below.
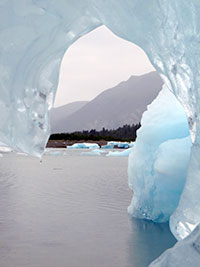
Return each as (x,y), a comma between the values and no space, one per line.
(96,62)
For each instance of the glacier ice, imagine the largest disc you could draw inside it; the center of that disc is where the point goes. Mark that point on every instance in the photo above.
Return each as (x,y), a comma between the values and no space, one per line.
(159,159)
(131,144)
(83,146)
(114,144)
(124,153)
(55,151)
(107,146)
(184,253)
(94,152)
(123,145)
(35,34)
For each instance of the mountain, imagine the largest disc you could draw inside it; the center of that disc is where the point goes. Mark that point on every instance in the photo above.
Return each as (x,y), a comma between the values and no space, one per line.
(122,104)
(58,115)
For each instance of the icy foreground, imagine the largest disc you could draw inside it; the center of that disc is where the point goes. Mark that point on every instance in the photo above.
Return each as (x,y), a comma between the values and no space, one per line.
(34,35)
(158,162)
(184,254)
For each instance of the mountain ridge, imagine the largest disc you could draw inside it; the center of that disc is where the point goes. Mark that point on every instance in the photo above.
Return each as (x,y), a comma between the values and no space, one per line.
(116,106)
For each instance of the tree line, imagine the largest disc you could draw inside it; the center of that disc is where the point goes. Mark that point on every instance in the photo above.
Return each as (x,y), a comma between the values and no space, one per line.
(124,133)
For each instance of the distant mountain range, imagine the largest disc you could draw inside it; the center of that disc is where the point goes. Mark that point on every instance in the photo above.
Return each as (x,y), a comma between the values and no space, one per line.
(60,114)
(122,104)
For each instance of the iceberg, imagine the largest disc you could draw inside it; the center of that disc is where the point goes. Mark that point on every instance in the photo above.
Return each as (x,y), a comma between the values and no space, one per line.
(94,152)
(158,162)
(56,153)
(123,145)
(113,144)
(5,149)
(34,35)
(124,153)
(108,146)
(131,144)
(184,253)
(83,146)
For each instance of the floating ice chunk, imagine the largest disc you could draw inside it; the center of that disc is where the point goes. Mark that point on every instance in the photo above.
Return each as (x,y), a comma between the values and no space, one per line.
(131,144)
(158,163)
(113,143)
(185,253)
(124,153)
(123,145)
(95,152)
(1,155)
(101,151)
(83,145)
(90,153)
(108,146)
(5,149)
(54,151)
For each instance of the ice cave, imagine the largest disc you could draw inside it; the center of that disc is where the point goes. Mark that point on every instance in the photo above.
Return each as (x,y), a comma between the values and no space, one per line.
(35,34)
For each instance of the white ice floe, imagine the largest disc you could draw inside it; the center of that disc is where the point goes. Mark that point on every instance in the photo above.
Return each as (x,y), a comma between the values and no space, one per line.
(124,153)
(83,145)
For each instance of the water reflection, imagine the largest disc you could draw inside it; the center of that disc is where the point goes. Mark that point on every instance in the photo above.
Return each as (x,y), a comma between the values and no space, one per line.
(148,240)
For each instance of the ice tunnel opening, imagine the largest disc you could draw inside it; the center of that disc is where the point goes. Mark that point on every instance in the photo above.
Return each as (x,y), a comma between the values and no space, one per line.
(94,63)
(31,54)
(173,139)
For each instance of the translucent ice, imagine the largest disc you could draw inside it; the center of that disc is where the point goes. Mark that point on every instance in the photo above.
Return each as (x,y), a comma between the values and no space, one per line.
(123,145)
(94,152)
(159,159)
(108,146)
(35,34)
(124,153)
(131,144)
(83,145)
(112,144)
(184,254)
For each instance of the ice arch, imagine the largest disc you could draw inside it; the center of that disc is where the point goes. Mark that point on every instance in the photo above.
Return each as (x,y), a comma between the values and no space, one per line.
(34,35)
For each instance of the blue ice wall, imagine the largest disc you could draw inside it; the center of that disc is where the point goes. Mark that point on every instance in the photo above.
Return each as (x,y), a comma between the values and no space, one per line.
(158,163)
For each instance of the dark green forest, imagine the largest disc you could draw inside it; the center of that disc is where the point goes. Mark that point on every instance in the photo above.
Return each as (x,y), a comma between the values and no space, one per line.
(124,133)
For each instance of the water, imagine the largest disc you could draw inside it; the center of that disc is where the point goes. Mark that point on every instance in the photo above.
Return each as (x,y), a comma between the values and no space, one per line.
(71,211)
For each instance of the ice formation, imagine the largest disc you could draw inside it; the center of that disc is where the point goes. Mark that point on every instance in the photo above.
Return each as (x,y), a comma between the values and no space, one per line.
(94,152)
(107,146)
(35,34)
(83,146)
(131,144)
(116,144)
(55,151)
(124,153)
(5,149)
(123,145)
(159,159)
(184,254)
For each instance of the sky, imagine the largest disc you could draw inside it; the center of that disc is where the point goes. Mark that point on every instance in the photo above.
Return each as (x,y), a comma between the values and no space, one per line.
(96,62)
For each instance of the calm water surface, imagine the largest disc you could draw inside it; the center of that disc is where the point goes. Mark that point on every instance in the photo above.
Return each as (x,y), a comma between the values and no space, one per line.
(71,211)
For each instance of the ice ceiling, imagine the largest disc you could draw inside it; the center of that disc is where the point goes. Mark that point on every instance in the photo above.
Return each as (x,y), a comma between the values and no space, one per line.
(34,35)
